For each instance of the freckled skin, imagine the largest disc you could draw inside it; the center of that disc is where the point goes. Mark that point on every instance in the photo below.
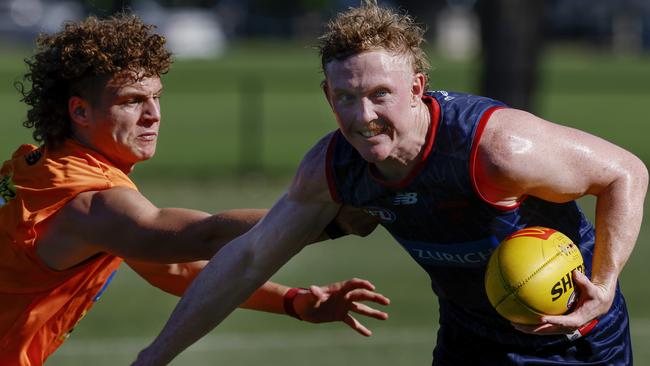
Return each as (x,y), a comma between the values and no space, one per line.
(378,92)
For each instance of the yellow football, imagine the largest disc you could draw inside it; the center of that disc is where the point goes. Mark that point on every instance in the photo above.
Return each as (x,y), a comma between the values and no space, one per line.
(530,274)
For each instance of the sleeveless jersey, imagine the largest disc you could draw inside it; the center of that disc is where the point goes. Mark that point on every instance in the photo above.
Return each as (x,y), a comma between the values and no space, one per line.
(39,307)
(438,216)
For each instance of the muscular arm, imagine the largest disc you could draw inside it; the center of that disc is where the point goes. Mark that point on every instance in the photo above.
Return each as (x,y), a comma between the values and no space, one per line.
(525,155)
(245,263)
(122,222)
(176,278)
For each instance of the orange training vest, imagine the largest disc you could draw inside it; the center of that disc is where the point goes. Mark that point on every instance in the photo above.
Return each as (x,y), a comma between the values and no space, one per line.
(39,306)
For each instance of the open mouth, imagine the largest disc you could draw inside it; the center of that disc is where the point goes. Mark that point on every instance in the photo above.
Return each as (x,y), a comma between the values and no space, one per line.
(373,129)
(148,136)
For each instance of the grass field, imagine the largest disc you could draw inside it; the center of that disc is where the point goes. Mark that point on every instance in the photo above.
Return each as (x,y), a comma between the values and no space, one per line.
(198,166)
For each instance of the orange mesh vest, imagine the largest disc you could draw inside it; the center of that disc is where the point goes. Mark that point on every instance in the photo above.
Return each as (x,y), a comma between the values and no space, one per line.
(40,306)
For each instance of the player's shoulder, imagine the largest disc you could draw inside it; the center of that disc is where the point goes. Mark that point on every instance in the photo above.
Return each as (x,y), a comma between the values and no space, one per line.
(509,138)
(456,97)
(310,181)
(462,103)
(505,123)
(115,198)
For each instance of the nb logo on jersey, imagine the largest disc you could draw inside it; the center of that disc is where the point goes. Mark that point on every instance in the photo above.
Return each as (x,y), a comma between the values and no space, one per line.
(408,198)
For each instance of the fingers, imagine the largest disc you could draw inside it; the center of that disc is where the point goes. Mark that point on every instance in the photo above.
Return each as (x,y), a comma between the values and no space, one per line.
(583,311)
(581,280)
(365,295)
(356,283)
(358,327)
(349,285)
(362,290)
(336,301)
(368,311)
(571,322)
(580,277)
(544,329)
(555,329)
(592,302)
(534,328)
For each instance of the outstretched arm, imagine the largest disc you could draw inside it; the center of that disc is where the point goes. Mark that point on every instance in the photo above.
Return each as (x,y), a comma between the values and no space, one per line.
(244,264)
(122,222)
(320,304)
(525,155)
(317,304)
(233,274)
(175,278)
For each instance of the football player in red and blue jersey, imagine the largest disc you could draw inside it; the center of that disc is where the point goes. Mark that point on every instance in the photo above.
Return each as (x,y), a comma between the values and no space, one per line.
(449,175)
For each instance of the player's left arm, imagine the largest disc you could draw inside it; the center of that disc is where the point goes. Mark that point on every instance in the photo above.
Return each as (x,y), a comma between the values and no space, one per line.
(316,304)
(522,154)
(173,278)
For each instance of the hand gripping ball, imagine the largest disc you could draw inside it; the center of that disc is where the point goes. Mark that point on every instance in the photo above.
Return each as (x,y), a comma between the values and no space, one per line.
(530,275)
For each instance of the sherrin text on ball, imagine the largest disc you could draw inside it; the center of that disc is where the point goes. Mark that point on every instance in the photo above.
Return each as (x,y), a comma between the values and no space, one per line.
(530,274)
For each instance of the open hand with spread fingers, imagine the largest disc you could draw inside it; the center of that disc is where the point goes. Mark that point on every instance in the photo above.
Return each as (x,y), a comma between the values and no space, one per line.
(336,301)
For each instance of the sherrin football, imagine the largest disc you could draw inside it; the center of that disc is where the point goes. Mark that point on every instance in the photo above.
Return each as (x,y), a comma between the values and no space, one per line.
(530,274)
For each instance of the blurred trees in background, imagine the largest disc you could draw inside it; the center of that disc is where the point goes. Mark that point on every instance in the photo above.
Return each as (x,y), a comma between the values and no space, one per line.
(507,35)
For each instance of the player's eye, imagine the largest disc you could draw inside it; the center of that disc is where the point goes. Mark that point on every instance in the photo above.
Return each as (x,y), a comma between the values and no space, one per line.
(344,98)
(381,93)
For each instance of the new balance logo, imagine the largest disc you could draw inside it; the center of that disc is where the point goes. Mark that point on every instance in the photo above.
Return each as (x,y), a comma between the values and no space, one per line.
(408,198)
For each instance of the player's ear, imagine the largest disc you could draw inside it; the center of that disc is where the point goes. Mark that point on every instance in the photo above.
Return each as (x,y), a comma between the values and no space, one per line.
(418,87)
(78,111)
(323,85)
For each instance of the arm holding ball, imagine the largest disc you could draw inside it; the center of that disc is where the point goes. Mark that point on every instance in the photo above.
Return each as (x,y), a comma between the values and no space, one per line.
(526,155)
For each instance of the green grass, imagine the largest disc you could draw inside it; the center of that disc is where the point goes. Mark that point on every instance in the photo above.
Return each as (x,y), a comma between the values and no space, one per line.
(278,86)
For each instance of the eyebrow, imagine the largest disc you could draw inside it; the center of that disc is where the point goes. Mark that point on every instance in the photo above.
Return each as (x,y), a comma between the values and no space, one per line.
(131,91)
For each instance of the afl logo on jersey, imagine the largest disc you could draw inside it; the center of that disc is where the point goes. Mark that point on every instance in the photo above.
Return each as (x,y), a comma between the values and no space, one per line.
(385,215)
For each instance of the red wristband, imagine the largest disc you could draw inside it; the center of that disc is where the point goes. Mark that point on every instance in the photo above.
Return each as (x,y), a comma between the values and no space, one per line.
(289,297)
(582,331)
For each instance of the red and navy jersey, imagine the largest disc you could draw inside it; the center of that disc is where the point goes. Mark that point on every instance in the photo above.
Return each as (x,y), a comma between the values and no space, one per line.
(439,217)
